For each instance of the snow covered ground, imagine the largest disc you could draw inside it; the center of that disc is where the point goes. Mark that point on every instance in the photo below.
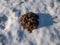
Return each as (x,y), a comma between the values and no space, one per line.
(12,33)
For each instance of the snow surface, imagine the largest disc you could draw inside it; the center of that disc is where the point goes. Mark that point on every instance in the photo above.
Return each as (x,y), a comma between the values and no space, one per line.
(12,33)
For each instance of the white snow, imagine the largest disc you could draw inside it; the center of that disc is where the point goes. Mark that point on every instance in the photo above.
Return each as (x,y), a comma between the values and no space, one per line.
(12,33)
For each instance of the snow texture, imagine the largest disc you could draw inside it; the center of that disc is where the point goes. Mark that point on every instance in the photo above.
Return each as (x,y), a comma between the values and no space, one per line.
(12,33)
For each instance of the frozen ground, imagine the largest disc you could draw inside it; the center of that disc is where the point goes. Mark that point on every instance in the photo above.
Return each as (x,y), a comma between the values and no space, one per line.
(12,33)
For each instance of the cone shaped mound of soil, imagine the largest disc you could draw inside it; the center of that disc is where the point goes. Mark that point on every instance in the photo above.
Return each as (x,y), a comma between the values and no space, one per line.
(29,21)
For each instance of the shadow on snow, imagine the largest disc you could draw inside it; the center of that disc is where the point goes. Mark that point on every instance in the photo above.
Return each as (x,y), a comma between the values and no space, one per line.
(45,20)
